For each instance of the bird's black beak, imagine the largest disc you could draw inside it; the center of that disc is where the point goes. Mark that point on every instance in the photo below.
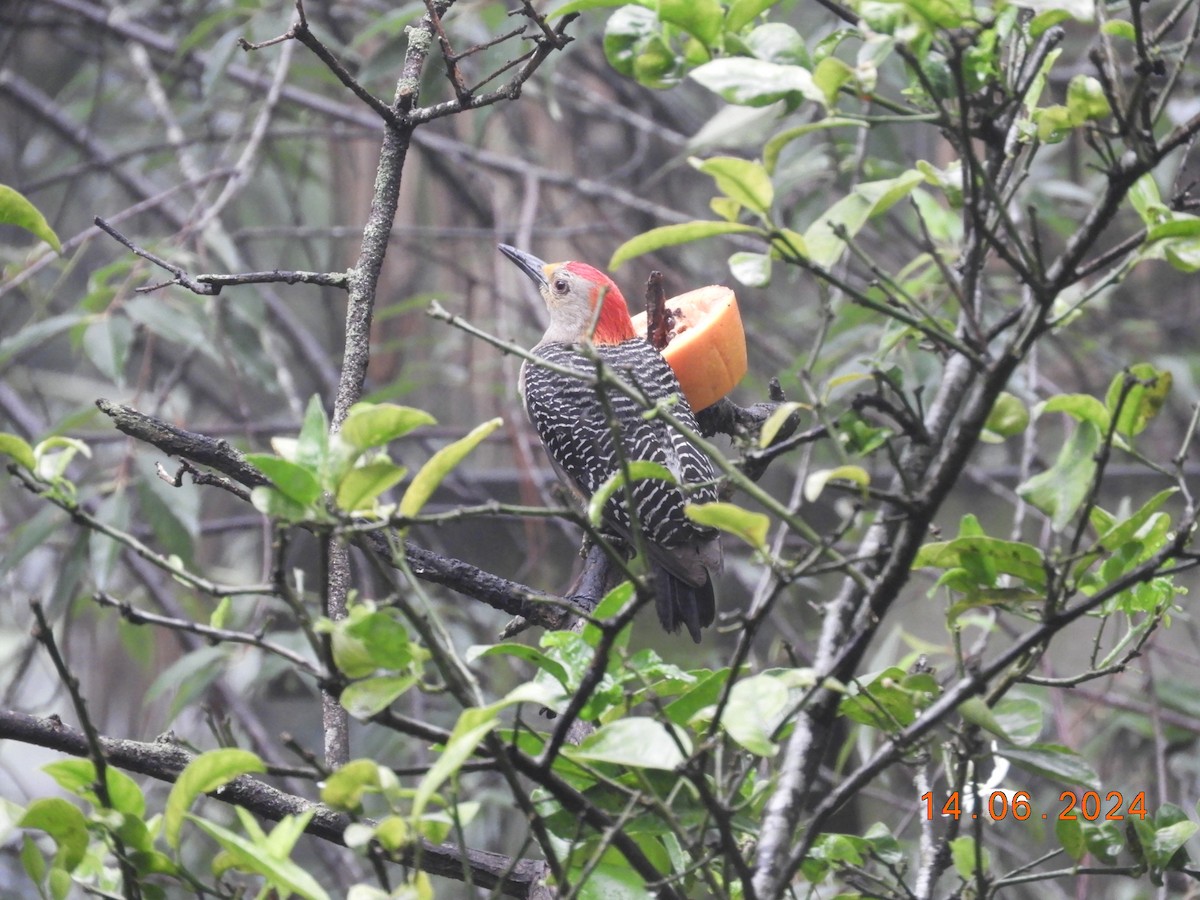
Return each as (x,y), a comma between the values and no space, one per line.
(527,262)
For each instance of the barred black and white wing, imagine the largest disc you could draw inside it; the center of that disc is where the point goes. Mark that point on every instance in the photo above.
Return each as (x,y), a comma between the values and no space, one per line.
(578,434)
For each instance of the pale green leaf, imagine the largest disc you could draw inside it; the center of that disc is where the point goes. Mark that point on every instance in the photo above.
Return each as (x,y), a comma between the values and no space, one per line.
(296,482)
(204,774)
(816,481)
(775,145)
(472,727)
(751,269)
(826,237)
(361,486)
(1009,417)
(1061,764)
(743,12)
(635,741)
(1143,401)
(18,448)
(1059,491)
(16,210)
(776,421)
(756,82)
(756,708)
(64,822)
(704,19)
(363,699)
(370,425)
(672,235)
(741,180)
(750,526)
(248,855)
(967,857)
(346,787)
(440,465)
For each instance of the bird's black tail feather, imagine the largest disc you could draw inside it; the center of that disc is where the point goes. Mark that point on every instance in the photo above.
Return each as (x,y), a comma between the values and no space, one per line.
(679,603)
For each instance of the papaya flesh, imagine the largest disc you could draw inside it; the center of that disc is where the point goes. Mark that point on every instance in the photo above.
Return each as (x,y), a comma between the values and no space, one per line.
(706,343)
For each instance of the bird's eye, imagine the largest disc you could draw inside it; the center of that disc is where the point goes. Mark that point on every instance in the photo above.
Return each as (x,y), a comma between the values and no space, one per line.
(560,285)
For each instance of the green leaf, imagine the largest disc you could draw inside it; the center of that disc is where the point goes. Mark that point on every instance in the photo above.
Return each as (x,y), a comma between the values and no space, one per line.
(705,19)
(440,465)
(274,503)
(1020,719)
(1009,417)
(776,421)
(778,42)
(220,614)
(383,636)
(775,145)
(743,12)
(985,557)
(751,269)
(65,823)
(1115,534)
(18,448)
(670,236)
(472,727)
(741,180)
(79,777)
(967,857)
(1120,28)
(312,444)
(756,708)
(611,604)
(702,695)
(1070,834)
(1144,399)
(636,741)
(363,699)
(524,652)
(756,82)
(296,482)
(1103,840)
(204,774)
(18,211)
(815,483)
(750,526)
(891,700)
(248,855)
(829,75)
(370,425)
(1086,100)
(1081,407)
(975,711)
(1056,762)
(346,787)
(851,213)
(1061,489)
(627,34)
(1171,830)
(1147,201)
(52,465)
(638,470)
(361,486)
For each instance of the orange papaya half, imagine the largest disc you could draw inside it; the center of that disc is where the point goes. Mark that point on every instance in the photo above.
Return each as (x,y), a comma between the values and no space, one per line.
(707,345)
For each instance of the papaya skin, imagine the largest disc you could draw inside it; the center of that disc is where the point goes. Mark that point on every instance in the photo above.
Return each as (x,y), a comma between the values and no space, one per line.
(708,349)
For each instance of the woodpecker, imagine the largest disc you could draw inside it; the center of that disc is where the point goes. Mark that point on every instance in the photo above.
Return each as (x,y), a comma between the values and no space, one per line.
(586,307)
